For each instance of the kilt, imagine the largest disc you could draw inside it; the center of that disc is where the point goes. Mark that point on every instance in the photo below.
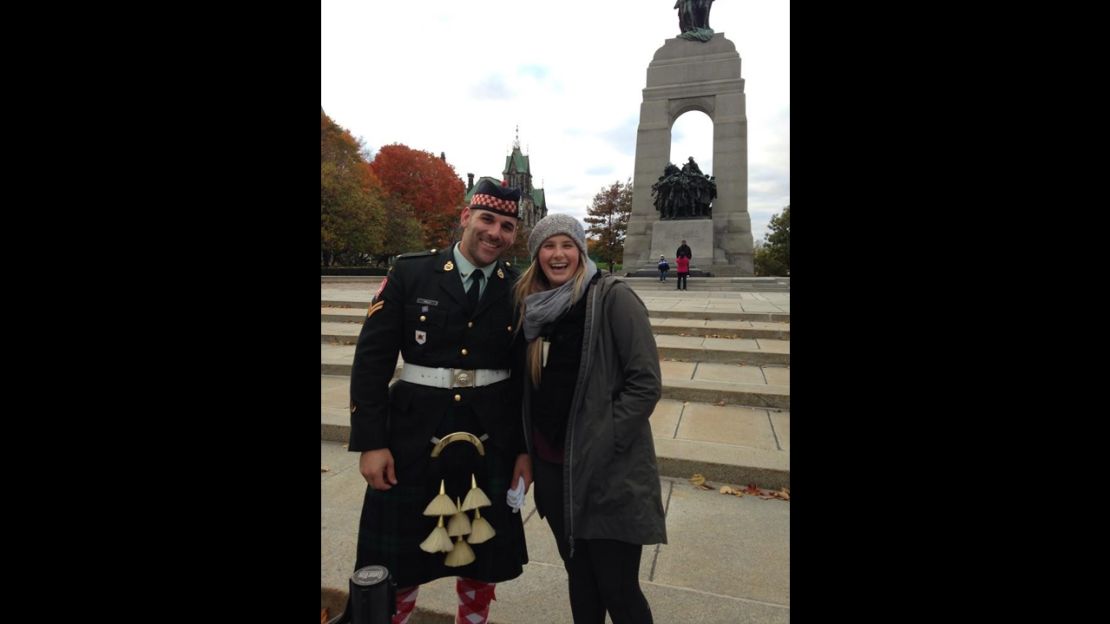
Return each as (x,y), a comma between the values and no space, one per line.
(392,525)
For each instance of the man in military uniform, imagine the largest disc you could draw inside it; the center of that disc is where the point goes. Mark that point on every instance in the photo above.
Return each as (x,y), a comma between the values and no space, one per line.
(449,314)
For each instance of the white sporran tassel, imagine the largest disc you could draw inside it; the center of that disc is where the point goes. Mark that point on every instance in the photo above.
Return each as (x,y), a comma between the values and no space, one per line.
(459,524)
(437,540)
(475,498)
(480,530)
(460,555)
(441,505)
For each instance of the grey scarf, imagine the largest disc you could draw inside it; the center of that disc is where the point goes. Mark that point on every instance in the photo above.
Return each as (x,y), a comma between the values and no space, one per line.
(547,306)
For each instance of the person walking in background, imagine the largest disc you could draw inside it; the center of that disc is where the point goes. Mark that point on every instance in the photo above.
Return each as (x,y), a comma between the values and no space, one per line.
(591,380)
(450,428)
(682,263)
(663,268)
(684,251)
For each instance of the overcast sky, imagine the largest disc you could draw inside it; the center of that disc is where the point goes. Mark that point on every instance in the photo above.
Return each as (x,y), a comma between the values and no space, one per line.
(459,76)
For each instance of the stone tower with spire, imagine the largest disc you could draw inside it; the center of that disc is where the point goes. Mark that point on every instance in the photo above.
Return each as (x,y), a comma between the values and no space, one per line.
(518,174)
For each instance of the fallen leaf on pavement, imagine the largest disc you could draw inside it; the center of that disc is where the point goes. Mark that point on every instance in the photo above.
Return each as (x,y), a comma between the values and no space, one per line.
(783,494)
(698,481)
(729,490)
(324,469)
(753,489)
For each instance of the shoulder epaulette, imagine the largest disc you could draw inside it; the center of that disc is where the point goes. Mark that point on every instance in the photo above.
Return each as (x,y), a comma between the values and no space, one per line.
(416,254)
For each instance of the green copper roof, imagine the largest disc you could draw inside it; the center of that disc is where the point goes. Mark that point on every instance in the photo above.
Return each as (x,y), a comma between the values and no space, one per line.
(538,198)
(516,162)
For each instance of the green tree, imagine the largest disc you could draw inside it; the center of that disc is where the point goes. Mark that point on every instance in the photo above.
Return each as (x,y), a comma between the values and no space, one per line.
(772,257)
(403,231)
(352,216)
(517,253)
(608,220)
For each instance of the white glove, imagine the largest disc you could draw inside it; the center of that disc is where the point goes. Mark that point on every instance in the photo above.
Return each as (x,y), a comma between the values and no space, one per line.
(515,497)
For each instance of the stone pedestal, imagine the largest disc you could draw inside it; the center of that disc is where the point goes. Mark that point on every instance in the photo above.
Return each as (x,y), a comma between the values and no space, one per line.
(666,236)
(684,76)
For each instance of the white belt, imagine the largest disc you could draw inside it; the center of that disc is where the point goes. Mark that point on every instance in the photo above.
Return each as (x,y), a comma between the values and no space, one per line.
(452,377)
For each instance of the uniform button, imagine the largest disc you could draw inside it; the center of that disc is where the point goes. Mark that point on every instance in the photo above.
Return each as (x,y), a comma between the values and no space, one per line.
(470,323)
(458,397)
(510,328)
(423,318)
(464,351)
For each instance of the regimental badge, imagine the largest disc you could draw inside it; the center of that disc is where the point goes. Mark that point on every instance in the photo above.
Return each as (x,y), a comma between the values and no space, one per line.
(450,266)
(421,337)
(500,273)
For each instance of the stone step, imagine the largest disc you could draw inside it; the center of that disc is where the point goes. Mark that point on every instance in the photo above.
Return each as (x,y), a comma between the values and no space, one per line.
(762,386)
(672,274)
(342,324)
(719,328)
(726,393)
(346,314)
(703,347)
(725,442)
(642,280)
(355,311)
(720,279)
(661,303)
(695,354)
(727,558)
(647,280)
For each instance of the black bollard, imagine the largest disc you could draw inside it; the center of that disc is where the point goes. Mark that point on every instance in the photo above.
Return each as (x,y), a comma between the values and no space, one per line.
(373,596)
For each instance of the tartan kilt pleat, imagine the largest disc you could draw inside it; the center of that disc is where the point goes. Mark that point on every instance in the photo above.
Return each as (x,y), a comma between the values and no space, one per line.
(392,525)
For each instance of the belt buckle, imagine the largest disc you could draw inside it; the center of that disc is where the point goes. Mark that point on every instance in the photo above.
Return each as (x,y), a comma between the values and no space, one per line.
(463,378)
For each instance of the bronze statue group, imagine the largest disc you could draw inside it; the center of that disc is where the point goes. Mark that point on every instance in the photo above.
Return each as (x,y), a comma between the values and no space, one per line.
(684,193)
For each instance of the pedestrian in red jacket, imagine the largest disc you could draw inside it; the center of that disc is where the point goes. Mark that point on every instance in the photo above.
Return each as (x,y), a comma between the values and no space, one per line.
(683,271)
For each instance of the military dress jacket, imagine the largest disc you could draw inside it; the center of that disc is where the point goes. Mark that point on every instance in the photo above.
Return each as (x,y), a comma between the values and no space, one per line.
(421,311)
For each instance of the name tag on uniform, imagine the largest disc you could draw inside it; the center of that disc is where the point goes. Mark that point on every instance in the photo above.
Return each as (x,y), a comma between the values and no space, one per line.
(427,301)
(421,337)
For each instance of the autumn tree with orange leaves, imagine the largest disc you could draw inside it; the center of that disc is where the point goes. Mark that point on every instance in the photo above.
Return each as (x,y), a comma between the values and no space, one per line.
(352,218)
(427,184)
(608,220)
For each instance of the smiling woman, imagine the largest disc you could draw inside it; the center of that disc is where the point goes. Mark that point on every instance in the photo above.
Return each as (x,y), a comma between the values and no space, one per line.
(592,379)
(558,257)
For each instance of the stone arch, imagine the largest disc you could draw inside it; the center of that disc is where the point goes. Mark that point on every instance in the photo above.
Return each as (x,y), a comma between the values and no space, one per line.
(683,76)
(680,106)
(696,126)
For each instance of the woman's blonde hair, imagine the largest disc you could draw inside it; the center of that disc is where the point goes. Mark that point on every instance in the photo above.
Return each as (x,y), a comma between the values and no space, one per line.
(531,281)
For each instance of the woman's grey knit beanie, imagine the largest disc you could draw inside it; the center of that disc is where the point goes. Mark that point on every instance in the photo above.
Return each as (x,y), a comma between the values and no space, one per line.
(557,224)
